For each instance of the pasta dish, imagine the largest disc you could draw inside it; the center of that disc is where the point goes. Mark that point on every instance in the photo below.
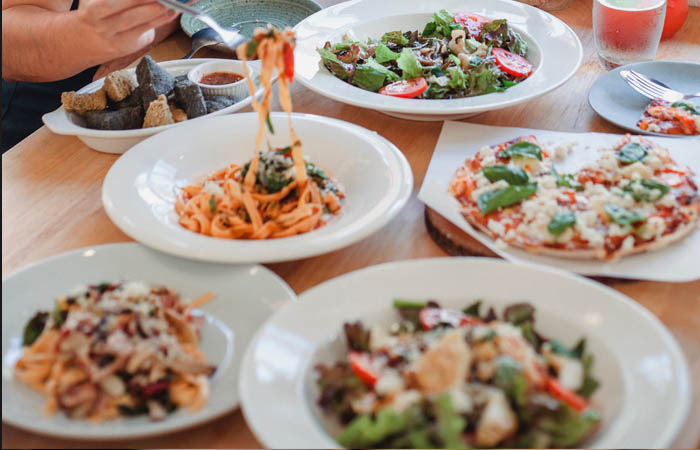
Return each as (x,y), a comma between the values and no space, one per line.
(278,193)
(111,350)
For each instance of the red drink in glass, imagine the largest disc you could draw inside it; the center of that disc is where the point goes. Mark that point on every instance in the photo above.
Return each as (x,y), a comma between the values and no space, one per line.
(627,30)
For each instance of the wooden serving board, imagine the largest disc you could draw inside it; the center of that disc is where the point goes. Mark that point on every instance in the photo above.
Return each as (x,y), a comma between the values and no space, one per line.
(451,238)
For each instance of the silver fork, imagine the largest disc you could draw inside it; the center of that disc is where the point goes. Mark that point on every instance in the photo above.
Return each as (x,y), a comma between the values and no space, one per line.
(652,89)
(230,38)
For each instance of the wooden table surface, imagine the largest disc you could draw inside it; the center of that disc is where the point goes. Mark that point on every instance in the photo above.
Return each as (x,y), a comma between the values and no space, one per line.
(51,204)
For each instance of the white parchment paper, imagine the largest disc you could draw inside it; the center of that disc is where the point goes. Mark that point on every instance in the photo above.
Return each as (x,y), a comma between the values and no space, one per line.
(678,262)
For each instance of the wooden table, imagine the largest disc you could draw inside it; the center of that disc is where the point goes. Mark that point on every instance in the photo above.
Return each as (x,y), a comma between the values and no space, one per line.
(51,204)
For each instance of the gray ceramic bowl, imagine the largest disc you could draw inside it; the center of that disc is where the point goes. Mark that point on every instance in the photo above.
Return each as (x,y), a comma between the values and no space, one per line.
(618,103)
(247,15)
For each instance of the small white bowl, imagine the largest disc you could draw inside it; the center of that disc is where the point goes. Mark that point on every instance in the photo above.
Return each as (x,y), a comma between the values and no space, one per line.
(237,90)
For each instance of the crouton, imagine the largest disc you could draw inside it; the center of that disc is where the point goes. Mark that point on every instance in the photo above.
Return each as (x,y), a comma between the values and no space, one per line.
(158,113)
(119,85)
(153,80)
(80,103)
(121,119)
(445,364)
(498,421)
(189,95)
(178,114)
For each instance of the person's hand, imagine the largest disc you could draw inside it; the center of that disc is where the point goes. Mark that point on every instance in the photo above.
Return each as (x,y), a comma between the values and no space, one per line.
(123,27)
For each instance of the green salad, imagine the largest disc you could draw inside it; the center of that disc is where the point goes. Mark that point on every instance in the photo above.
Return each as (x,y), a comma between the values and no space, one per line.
(454,56)
(443,378)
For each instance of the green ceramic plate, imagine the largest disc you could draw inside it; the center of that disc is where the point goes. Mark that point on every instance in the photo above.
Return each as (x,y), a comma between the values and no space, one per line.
(247,15)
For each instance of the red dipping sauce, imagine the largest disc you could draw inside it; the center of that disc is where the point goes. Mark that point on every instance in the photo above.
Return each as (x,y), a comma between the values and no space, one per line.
(219,78)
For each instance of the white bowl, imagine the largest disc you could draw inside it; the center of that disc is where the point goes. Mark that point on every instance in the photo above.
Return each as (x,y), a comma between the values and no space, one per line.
(139,191)
(555,51)
(644,395)
(245,297)
(119,141)
(237,90)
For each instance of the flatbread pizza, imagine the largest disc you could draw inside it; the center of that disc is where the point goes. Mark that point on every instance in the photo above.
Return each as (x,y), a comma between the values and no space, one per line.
(633,198)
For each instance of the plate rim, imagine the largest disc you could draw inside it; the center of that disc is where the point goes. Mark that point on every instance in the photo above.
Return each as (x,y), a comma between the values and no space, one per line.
(442,109)
(664,440)
(608,74)
(403,193)
(130,246)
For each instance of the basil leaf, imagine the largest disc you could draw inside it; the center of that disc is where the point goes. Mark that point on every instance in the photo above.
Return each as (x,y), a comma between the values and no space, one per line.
(34,328)
(522,149)
(394,37)
(631,153)
(269,124)
(391,76)
(567,180)
(409,64)
(646,190)
(473,309)
(251,48)
(623,216)
(513,175)
(384,54)
(212,204)
(685,106)
(368,78)
(560,222)
(501,198)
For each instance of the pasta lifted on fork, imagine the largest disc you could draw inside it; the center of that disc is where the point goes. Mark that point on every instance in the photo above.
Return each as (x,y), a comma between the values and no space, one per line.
(278,193)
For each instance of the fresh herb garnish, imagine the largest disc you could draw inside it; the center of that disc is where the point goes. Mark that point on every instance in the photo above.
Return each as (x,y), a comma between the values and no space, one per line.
(512,174)
(522,149)
(631,153)
(623,216)
(269,124)
(212,204)
(644,190)
(560,222)
(501,198)
(34,328)
(567,180)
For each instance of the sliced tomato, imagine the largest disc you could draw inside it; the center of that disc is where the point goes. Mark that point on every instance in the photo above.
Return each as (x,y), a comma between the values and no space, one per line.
(361,364)
(405,88)
(289,62)
(432,317)
(511,63)
(472,22)
(571,398)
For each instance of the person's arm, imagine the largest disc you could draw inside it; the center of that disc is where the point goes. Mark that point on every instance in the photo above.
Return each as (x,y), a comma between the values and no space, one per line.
(42,40)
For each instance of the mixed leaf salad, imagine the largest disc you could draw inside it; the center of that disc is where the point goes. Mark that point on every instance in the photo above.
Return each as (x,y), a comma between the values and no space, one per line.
(442,378)
(455,56)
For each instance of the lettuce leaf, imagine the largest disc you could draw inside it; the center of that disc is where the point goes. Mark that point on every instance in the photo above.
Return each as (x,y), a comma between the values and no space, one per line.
(391,76)
(450,424)
(409,64)
(384,54)
(339,68)
(368,78)
(366,432)
(394,37)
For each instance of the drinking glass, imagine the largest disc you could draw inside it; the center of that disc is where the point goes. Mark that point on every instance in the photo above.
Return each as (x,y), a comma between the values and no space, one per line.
(627,31)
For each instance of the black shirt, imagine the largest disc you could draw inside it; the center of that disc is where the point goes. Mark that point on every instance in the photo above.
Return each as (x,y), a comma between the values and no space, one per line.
(24,103)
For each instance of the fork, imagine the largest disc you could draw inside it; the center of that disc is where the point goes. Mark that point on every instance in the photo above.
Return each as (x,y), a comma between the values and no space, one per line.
(651,89)
(231,39)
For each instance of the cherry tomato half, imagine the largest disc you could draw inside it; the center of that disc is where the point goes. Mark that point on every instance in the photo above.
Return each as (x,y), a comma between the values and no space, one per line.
(289,62)
(571,398)
(405,88)
(472,22)
(511,63)
(361,364)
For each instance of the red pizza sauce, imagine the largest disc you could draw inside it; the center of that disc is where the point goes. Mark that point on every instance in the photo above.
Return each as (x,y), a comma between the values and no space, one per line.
(219,78)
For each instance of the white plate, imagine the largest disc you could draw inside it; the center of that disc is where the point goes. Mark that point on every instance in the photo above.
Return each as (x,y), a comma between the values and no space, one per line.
(139,191)
(119,141)
(677,262)
(245,297)
(555,51)
(645,390)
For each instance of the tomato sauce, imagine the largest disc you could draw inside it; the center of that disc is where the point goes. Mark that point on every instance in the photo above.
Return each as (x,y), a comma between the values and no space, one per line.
(220,78)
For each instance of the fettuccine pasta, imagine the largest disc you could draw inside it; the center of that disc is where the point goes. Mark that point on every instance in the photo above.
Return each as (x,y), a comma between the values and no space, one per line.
(278,193)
